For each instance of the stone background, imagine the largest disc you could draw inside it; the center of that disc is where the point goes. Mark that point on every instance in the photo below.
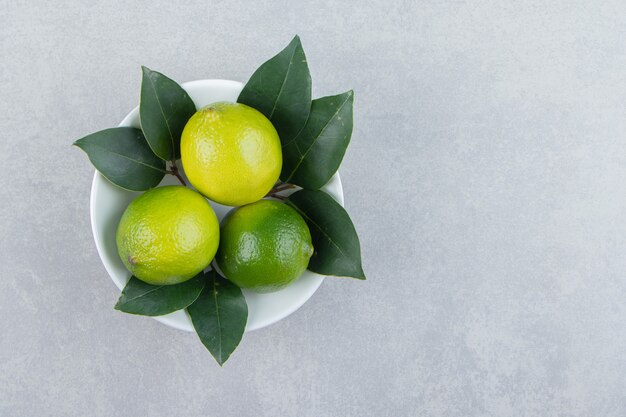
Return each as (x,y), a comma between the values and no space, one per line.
(486,177)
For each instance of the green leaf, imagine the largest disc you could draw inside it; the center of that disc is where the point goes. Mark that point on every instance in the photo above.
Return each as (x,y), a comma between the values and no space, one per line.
(219,316)
(164,109)
(123,156)
(145,299)
(281,90)
(313,157)
(337,249)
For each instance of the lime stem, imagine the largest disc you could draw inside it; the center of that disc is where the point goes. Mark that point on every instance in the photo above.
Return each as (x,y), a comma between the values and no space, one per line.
(174,171)
(280,188)
(279,197)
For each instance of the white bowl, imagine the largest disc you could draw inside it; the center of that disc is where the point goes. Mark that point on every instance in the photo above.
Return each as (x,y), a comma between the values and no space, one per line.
(108,202)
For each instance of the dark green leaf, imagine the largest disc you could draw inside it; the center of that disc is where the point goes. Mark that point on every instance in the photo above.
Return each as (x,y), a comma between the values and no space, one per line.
(123,156)
(156,300)
(313,157)
(281,90)
(337,250)
(164,109)
(219,316)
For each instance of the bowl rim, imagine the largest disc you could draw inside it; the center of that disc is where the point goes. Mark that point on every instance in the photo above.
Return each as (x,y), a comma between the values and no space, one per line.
(98,178)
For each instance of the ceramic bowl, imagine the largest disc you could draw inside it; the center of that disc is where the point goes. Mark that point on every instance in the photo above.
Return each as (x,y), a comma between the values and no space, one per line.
(108,202)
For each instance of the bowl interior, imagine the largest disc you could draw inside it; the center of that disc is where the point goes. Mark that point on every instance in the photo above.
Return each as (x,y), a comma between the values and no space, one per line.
(108,202)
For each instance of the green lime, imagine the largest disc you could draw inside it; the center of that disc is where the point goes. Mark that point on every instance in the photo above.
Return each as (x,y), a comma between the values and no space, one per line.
(264,246)
(231,153)
(167,235)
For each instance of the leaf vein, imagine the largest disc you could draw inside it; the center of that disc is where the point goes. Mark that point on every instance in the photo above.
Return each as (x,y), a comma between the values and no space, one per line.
(282,86)
(217,315)
(321,230)
(128,157)
(142,295)
(293,171)
(169,129)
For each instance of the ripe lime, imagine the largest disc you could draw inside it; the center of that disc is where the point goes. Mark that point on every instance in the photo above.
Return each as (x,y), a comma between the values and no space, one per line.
(264,246)
(167,235)
(231,153)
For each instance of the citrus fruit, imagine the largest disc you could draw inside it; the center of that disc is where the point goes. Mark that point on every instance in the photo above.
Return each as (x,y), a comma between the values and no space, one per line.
(264,246)
(167,235)
(231,153)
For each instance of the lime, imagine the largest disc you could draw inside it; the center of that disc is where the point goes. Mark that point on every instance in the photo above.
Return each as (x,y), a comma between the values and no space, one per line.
(264,246)
(167,235)
(231,153)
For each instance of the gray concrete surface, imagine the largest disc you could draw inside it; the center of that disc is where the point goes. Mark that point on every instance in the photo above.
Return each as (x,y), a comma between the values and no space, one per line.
(486,176)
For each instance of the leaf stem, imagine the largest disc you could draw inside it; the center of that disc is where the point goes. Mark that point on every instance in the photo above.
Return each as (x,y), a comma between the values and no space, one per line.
(174,171)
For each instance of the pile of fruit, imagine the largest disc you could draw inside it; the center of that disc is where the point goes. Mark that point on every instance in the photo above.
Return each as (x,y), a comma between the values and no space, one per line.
(273,140)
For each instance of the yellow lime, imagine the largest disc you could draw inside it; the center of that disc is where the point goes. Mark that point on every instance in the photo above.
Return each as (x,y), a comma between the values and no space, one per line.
(167,235)
(231,153)
(264,246)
